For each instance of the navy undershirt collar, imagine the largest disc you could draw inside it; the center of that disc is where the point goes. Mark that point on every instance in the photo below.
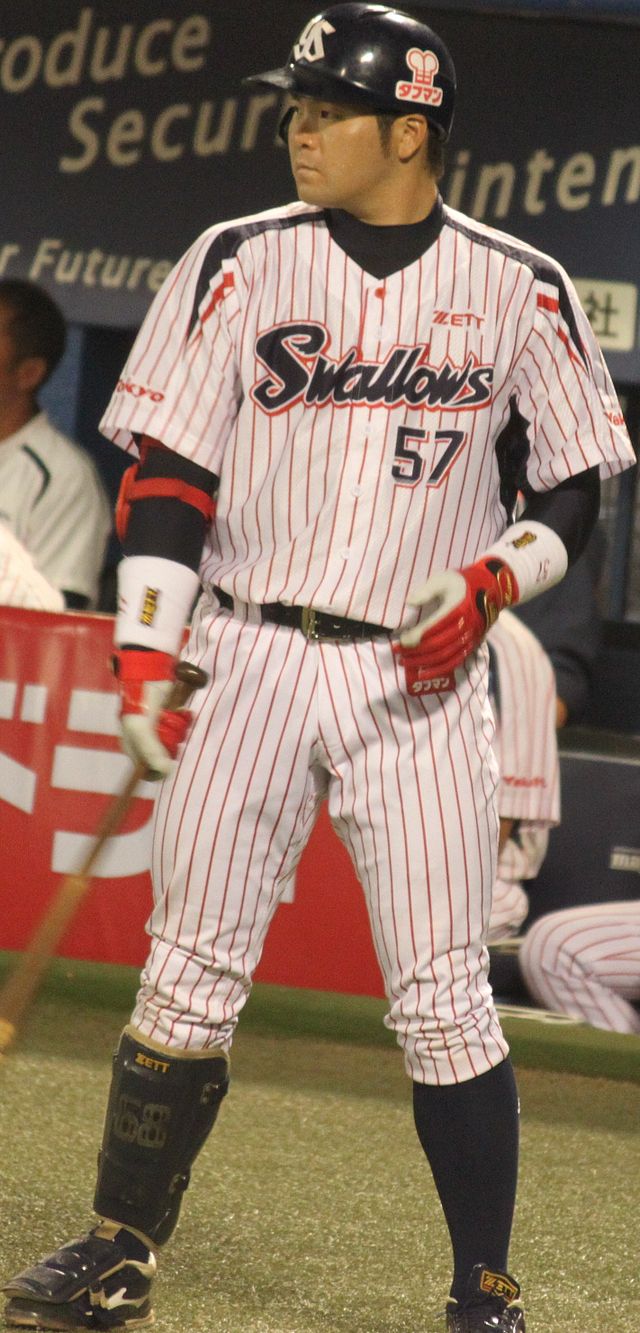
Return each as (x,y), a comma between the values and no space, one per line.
(384,250)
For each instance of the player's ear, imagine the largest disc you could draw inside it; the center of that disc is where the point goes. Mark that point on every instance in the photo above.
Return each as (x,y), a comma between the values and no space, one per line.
(31,371)
(411,136)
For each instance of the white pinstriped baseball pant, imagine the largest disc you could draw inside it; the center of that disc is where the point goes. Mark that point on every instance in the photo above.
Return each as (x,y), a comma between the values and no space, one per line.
(585,961)
(410,785)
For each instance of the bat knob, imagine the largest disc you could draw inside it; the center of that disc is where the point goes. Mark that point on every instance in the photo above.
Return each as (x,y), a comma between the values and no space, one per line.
(190,675)
(188,678)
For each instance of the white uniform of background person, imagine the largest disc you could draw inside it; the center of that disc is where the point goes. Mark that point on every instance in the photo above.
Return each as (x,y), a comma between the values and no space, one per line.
(53,501)
(21,584)
(527,753)
(585,961)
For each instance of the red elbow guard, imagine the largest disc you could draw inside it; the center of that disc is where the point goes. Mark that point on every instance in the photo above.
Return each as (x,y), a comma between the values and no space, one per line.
(133,488)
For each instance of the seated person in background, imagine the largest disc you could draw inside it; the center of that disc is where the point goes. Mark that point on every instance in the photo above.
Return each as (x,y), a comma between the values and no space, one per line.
(585,962)
(51,498)
(567,620)
(522,685)
(21,584)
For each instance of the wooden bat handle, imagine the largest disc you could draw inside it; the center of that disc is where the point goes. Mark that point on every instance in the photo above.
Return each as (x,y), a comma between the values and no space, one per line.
(188,678)
(21,985)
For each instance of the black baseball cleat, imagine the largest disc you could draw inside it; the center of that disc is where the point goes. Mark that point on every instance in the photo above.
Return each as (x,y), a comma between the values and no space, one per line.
(491,1305)
(100,1281)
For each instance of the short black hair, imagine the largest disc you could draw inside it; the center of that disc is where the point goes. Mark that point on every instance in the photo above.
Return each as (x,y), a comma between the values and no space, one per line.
(37,326)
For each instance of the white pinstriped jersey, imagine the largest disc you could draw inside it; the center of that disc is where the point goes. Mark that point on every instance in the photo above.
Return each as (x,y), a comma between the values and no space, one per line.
(524,703)
(526,743)
(366,431)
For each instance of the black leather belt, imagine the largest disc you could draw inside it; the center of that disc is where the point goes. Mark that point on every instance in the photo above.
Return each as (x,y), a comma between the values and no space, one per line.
(314,624)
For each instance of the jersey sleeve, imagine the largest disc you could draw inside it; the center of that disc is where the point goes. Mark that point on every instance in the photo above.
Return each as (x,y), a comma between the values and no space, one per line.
(180,383)
(566,394)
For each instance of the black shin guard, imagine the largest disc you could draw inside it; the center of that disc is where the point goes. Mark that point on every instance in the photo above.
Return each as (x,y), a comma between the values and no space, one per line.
(161,1109)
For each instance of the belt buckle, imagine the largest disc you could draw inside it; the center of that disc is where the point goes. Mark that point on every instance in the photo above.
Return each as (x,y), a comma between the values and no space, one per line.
(308,623)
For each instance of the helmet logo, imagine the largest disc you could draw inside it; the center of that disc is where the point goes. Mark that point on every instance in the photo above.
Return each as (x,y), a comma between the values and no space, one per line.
(424,66)
(310,44)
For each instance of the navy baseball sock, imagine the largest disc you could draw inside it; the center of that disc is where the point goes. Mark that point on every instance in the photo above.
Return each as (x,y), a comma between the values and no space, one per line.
(469,1132)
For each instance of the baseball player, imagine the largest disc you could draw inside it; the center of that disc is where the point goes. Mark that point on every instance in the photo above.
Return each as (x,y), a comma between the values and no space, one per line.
(51,497)
(354,382)
(585,961)
(523,693)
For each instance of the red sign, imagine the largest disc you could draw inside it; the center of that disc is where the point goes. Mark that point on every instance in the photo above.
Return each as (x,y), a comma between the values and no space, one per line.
(61,763)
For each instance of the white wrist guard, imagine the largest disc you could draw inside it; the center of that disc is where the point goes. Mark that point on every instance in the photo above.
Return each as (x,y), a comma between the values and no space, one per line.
(535,554)
(155,597)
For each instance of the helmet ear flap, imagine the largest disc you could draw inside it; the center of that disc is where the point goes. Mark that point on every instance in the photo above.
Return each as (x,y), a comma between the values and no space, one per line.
(283,127)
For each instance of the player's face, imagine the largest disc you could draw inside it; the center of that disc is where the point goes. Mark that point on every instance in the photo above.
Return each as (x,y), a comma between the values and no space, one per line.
(338,158)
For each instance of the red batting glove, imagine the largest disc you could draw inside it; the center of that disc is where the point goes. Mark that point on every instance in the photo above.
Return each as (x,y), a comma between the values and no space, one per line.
(460,606)
(149,732)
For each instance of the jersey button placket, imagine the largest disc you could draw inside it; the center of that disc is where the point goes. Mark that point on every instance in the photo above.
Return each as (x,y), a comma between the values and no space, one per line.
(380,330)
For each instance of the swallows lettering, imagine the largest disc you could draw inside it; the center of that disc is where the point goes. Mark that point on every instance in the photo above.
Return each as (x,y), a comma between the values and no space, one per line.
(299,370)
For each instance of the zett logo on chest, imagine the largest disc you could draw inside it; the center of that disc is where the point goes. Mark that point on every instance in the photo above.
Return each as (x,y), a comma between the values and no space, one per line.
(299,369)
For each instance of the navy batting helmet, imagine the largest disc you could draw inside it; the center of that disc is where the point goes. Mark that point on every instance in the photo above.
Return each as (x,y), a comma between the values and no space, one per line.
(373,56)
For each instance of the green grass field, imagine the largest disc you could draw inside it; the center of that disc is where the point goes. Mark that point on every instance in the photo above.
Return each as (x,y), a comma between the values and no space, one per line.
(311,1208)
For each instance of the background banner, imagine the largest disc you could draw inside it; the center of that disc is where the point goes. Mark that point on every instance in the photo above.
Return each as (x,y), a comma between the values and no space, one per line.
(60,763)
(140,135)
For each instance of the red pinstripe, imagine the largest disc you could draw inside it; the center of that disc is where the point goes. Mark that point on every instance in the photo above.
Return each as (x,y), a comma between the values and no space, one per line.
(391,841)
(154,323)
(235,775)
(528,760)
(256,438)
(467,831)
(385,958)
(185,800)
(286,762)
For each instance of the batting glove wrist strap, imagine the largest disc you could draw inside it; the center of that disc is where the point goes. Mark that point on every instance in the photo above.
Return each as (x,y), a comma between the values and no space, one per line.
(536,555)
(155,597)
(460,606)
(132,666)
(149,732)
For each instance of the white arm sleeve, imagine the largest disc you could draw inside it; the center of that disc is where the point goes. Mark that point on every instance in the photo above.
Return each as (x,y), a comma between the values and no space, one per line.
(535,554)
(155,597)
